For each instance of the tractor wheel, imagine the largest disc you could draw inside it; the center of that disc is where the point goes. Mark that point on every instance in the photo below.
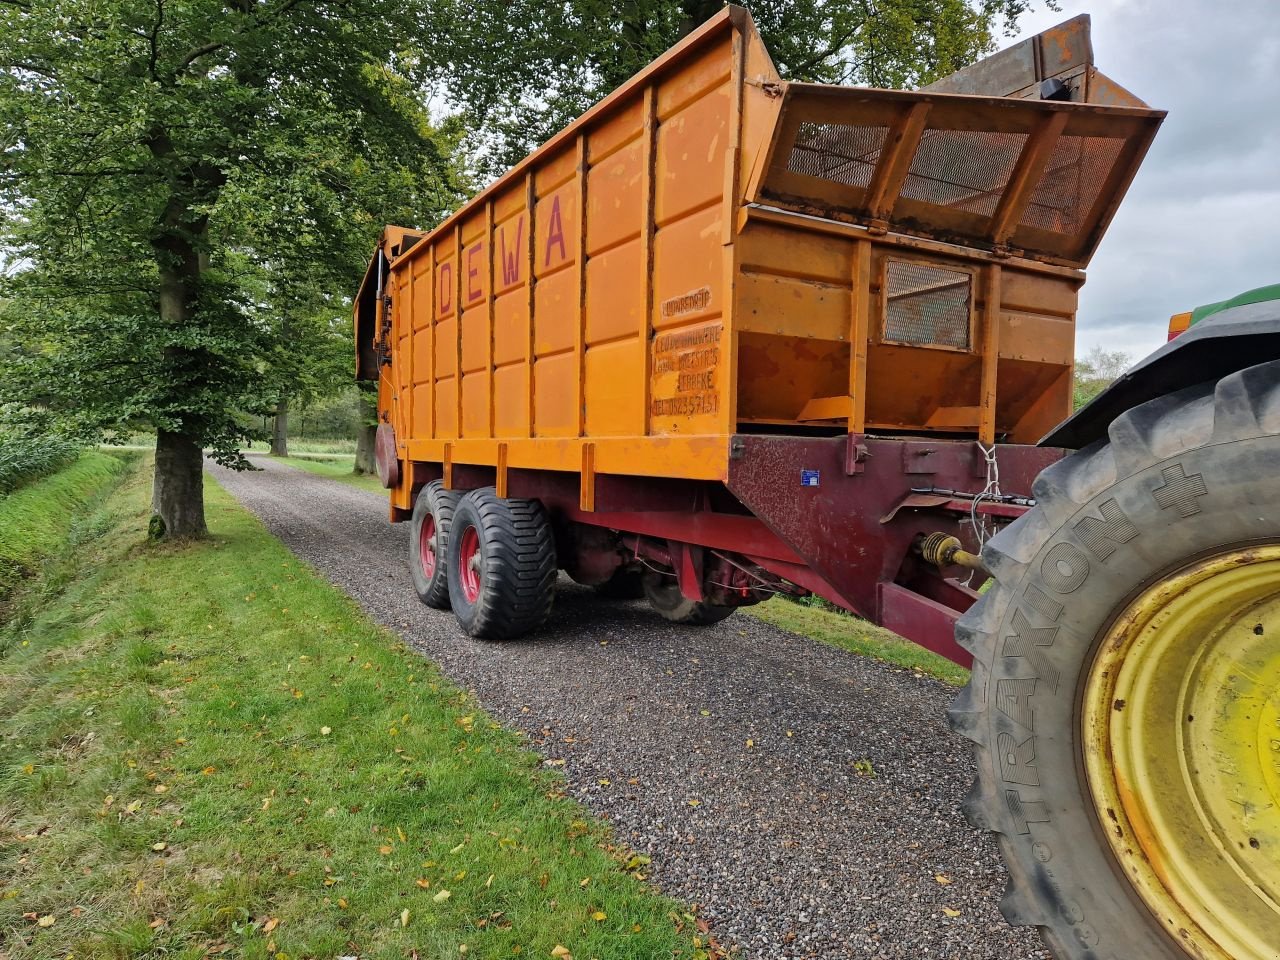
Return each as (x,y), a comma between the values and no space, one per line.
(663,594)
(623,585)
(502,565)
(1125,695)
(429,542)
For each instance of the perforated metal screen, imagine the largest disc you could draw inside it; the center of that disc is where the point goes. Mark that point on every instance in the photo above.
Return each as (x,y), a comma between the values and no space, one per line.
(926,305)
(837,151)
(1072,182)
(965,169)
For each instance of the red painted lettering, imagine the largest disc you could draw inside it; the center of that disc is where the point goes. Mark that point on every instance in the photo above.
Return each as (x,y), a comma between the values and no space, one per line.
(472,272)
(511,261)
(445,283)
(555,232)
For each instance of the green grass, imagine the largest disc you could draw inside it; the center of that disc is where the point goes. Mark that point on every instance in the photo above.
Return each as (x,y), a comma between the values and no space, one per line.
(858,636)
(36,519)
(335,469)
(206,749)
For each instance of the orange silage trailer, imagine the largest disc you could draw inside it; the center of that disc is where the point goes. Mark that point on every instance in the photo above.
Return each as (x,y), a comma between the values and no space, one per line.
(726,336)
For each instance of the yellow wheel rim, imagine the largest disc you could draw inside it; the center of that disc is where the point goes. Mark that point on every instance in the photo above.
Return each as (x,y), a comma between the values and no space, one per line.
(1181,718)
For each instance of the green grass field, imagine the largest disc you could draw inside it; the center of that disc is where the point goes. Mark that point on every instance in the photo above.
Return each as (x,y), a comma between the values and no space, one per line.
(859,636)
(36,519)
(207,750)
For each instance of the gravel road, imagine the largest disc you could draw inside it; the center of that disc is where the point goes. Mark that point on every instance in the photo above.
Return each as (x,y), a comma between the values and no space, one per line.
(788,847)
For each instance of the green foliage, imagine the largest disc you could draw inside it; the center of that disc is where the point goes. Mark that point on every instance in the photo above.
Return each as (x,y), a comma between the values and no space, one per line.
(524,68)
(209,750)
(27,458)
(1096,371)
(179,176)
(35,520)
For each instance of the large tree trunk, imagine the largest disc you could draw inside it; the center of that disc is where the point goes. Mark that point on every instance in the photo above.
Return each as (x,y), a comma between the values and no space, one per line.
(280,430)
(177,492)
(365,462)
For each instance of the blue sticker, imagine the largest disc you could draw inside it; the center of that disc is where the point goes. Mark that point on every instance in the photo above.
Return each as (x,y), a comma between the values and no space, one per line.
(808,478)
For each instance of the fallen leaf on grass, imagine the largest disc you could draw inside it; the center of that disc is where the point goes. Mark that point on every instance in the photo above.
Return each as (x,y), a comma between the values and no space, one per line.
(325,731)
(423,883)
(159,846)
(342,902)
(561,953)
(46,921)
(599,915)
(161,788)
(270,925)
(442,896)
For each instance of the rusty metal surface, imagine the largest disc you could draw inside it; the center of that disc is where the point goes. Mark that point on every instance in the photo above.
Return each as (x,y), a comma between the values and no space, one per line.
(835,524)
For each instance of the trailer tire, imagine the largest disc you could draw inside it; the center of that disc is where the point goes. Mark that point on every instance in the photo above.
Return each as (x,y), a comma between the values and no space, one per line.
(429,543)
(1145,582)
(623,585)
(502,565)
(663,594)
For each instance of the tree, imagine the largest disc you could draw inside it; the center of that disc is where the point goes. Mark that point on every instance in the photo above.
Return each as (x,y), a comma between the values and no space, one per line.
(155,157)
(1096,371)
(524,68)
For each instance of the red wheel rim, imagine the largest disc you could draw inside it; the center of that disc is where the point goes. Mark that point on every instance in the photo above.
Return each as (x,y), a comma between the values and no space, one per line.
(427,545)
(469,564)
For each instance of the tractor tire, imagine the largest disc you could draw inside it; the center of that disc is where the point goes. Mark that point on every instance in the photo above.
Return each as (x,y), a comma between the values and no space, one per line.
(502,565)
(663,594)
(429,543)
(1143,585)
(623,585)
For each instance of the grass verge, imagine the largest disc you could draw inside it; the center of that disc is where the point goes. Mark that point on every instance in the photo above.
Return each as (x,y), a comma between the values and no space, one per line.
(335,469)
(207,750)
(36,519)
(858,636)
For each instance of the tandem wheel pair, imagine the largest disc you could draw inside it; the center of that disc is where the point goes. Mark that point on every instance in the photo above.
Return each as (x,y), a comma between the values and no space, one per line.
(493,561)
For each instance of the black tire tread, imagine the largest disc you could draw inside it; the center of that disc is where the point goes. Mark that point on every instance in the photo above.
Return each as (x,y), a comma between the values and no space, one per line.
(1242,405)
(518,583)
(442,503)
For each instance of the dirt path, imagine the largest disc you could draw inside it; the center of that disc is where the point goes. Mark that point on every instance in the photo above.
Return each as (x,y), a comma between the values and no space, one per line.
(787,847)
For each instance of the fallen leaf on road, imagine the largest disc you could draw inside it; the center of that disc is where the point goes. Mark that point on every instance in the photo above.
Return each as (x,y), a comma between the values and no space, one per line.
(950,913)
(942,878)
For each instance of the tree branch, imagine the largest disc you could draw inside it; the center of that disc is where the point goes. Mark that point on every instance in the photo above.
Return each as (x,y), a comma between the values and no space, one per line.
(155,39)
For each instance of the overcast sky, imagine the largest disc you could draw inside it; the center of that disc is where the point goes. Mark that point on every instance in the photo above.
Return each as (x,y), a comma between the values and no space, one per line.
(1201,221)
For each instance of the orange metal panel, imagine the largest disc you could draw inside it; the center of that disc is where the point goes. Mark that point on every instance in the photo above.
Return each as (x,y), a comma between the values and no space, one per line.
(616,283)
(615,204)
(615,408)
(688,270)
(555,380)
(691,152)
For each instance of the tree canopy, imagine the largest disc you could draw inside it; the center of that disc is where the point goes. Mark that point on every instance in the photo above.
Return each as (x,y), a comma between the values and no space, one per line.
(158,155)
(530,66)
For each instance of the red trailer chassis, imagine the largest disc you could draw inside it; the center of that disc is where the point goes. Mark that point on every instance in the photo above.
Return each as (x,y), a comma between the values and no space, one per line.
(841,517)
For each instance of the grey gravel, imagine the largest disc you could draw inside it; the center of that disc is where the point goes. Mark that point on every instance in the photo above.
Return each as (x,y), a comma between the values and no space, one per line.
(786,848)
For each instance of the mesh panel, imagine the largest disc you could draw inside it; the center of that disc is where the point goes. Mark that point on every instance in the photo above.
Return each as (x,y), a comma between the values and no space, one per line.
(837,151)
(964,169)
(926,305)
(1071,183)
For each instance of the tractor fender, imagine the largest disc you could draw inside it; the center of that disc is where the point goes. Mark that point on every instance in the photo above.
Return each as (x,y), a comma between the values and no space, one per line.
(1215,347)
